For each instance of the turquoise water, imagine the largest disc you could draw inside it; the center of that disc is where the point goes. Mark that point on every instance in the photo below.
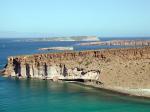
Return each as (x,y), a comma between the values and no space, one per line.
(46,96)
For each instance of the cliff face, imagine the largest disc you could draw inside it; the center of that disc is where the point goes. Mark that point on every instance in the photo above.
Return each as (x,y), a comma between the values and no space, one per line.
(116,67)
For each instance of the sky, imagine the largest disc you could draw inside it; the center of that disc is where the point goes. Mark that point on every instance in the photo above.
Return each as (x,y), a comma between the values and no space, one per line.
(48,18)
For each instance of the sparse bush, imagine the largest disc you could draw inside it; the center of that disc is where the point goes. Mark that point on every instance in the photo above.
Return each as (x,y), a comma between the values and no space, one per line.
(87,63)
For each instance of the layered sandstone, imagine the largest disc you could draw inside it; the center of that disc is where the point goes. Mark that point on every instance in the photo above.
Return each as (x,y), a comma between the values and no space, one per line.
(112,68)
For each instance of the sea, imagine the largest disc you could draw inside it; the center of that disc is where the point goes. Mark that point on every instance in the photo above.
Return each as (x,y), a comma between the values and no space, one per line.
(33,95)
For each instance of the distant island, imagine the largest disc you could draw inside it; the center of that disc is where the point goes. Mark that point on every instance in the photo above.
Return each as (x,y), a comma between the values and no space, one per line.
(57,48)
(70,38)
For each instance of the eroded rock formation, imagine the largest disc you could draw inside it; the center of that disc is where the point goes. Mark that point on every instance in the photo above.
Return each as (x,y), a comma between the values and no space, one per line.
(128,67)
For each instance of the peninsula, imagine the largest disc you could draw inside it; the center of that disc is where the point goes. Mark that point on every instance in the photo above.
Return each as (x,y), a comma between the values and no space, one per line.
(125,70)
(119,43)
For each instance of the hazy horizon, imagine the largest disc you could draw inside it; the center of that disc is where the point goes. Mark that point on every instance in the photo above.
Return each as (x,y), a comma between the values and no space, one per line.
(55,18)
(148,37)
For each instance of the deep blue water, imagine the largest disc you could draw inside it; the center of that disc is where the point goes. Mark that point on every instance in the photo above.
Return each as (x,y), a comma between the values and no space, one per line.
(46,96)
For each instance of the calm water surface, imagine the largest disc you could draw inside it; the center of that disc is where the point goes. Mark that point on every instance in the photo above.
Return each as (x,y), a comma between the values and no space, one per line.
(46,96)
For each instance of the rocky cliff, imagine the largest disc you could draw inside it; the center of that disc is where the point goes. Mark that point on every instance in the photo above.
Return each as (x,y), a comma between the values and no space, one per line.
(128,67)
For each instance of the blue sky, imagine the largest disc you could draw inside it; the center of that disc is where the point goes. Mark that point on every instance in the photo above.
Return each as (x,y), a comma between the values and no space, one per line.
(104,18)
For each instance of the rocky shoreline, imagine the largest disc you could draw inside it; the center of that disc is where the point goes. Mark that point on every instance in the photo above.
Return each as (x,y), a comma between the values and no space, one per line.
(124,70)
(139,92)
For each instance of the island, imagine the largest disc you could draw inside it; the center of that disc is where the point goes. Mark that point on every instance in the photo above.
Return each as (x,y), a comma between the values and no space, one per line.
(123,70)
(69,38)
(57,48)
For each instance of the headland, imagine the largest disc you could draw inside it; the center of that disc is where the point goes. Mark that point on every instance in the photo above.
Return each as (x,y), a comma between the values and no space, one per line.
(125,70)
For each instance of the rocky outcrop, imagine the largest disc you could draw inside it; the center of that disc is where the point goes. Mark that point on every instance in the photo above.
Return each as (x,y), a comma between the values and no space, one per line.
(49,66)
(128,67)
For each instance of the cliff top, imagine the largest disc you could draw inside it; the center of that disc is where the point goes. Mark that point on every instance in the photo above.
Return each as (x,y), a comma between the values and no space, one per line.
(122,52)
